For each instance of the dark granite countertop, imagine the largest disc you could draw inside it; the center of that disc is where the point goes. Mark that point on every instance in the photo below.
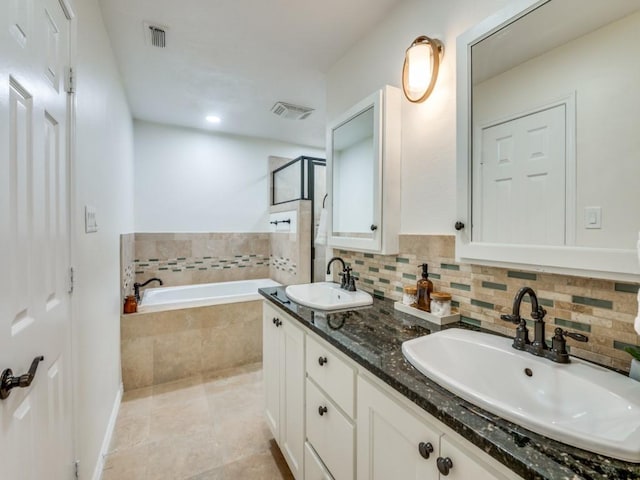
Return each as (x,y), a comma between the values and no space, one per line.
(373,336)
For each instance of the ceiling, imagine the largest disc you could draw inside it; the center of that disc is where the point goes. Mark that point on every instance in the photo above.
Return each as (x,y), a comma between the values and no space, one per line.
(236,59)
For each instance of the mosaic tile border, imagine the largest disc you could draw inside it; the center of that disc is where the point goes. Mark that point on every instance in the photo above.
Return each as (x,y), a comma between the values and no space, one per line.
(181,264)
(284,264)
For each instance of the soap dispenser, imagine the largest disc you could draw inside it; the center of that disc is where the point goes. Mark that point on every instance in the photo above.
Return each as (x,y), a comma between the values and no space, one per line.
(425,287)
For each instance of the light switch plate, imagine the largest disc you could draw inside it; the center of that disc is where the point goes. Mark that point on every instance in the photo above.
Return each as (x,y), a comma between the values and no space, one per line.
(90,222)
(593,217)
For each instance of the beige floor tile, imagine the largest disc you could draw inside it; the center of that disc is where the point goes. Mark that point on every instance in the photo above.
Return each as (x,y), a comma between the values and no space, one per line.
(208,427)
(183,456)
(128,465)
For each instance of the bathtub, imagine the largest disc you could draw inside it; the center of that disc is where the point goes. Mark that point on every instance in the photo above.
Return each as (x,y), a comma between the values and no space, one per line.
(173,298)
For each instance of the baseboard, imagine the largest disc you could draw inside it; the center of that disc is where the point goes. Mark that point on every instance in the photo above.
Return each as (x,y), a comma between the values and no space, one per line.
(104,449)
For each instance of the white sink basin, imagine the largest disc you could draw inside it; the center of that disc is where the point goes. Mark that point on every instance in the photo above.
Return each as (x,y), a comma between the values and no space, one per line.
(327,296)
(578,403)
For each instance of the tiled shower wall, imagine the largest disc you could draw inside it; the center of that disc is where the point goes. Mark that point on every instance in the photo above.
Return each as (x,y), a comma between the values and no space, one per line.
(190,258)
(291,252)
(604,310)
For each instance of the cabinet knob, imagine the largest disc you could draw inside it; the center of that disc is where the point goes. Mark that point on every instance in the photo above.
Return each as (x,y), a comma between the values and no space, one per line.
(425,449)
(459,225)
(322,410)
(277,322)
(373,227)
(322,360)
(444,465)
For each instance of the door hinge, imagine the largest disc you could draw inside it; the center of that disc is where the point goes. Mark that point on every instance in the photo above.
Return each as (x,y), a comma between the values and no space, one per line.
(76,469)
(70,280)
(70,80)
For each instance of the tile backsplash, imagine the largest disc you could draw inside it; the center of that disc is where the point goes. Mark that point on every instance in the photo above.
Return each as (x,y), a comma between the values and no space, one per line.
(190,258)
(604,310)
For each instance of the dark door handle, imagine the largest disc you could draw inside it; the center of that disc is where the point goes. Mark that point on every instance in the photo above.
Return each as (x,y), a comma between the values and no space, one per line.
(444,465)
(8,382)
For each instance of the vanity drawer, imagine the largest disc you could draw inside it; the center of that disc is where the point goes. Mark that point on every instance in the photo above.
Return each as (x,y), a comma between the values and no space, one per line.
(313,466)
(332,374)
(330,433)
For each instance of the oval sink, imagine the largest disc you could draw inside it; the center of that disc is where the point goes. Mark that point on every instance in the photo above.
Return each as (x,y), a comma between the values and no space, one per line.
(327,296)
(578,403)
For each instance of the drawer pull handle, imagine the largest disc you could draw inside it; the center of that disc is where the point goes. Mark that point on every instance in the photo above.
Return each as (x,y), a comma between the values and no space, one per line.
(322,410)
(425,449)
(322,360)
(444,465)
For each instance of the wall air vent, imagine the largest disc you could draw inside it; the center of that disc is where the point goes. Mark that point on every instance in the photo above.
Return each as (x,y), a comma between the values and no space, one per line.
(290,111)
(156,35)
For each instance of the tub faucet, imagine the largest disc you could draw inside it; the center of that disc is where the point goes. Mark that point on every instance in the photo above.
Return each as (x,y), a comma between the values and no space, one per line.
(348,282)
(557,352)
(136,286)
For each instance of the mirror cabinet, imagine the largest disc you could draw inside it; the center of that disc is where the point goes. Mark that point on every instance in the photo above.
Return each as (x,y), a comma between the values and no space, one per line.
(363,172)
(548,145)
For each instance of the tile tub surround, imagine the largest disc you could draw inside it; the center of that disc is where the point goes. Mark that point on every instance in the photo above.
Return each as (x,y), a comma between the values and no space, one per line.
(373,338)
(190,258)
(159,347)
(604,310)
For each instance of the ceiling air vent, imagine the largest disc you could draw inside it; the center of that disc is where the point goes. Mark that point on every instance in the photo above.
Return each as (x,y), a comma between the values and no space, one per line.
(290,111)
(156,35)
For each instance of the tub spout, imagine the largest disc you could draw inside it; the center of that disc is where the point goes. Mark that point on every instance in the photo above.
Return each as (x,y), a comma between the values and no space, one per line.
(136,286)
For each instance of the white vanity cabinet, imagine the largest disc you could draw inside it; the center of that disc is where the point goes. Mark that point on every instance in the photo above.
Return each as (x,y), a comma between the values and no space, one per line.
(284,377)
(333,420)
(396,440)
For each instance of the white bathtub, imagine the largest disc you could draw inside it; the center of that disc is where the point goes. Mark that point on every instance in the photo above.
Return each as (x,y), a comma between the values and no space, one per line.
(172,298)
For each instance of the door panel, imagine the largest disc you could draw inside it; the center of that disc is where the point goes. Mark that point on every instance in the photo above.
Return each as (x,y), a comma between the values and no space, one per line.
(35,422)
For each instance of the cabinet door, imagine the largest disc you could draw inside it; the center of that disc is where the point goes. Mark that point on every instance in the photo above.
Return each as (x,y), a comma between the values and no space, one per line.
(389,438)
(330,433)
(292,396)
(465,463)
(271,367)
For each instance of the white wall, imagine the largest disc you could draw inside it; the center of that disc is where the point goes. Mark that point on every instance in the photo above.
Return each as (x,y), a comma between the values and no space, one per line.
(194,181)
(104,179)
(429,128)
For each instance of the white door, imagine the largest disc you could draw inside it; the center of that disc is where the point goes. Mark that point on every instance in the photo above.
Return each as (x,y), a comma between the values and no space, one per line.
(36,421)
(522,188)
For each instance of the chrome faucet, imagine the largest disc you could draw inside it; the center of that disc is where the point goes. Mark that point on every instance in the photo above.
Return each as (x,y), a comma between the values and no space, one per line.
(348,281)
(558,351)
(136,286)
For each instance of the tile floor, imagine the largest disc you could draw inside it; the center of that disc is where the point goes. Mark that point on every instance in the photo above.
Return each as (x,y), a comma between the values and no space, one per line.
(208,427)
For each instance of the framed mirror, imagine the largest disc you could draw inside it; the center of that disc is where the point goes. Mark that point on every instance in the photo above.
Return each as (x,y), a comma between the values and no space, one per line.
(363,170)
(548,144)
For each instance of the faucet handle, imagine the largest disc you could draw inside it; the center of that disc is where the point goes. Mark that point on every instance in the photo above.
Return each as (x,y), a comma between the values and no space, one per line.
(511,318)
(578,337)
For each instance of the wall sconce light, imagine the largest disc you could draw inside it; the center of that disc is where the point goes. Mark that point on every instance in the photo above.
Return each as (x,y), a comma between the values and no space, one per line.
(420,69)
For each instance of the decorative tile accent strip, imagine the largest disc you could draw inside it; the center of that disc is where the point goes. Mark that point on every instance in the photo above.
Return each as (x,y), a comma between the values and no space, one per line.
(561,322)
(470,321)
(461,286)
(402,260)
(592,302)
(522,275)
(494,286)
(542,301)
(203,263)
(283,264)
(390,268)
(622,345)
(627,287)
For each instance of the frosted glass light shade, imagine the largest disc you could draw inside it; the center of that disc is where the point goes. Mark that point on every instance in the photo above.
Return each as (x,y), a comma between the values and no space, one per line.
(420,69)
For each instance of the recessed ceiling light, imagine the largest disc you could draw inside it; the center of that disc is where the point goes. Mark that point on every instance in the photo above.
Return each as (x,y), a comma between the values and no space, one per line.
(213,119)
